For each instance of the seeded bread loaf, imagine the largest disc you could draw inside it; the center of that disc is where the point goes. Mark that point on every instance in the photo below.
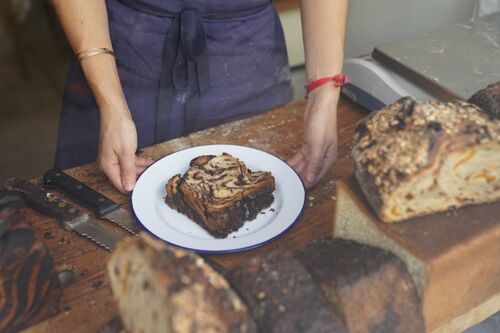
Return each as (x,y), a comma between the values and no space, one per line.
(282,297)
(415,158)
(488,99)
(161,288)
(220,193)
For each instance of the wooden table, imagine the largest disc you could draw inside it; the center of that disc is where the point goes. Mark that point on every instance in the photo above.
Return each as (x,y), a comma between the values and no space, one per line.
(87,303)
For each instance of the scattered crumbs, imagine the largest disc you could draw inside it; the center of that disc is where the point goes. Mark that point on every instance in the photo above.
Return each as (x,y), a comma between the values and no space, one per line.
(234,236)
(248,229)
(63,240)
(311,197)
(272,210)
(164,197)
(48,235)
(263,213)
(67,309)
(281,308)
(92,302)
(96,284)
(333,197)
(311,204)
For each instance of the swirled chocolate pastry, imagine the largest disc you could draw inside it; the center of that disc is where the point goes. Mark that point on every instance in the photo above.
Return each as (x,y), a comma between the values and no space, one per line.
(220,193)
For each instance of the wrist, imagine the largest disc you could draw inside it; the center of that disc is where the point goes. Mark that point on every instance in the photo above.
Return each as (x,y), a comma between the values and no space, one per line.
(324,99)
(335,81)
(102,76)
(114,113)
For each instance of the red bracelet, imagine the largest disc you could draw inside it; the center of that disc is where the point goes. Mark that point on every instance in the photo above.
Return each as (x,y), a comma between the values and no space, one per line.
(338,80)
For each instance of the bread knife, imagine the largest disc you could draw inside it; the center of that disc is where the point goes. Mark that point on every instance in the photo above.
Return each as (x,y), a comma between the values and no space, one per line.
(103,207)
(70,217)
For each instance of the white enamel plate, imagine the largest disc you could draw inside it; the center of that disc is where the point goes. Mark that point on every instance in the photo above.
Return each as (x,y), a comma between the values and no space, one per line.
(148,202)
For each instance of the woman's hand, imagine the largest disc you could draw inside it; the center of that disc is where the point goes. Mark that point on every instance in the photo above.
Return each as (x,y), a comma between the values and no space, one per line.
(318,152)
(117,147)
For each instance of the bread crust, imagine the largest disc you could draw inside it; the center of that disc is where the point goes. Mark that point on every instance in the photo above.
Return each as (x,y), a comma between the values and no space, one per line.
(488,99)
(282,296)
(411,142)
(162,288)
(220,193)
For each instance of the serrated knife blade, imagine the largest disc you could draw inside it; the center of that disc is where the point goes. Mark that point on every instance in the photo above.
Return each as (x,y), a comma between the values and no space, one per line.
(70,217)
(102,206)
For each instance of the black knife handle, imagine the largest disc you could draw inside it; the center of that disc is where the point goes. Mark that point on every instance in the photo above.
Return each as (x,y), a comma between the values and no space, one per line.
(97,202)
(43,201)
(10,198)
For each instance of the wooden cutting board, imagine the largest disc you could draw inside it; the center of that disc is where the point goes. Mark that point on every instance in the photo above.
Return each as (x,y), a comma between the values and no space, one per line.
(454,257)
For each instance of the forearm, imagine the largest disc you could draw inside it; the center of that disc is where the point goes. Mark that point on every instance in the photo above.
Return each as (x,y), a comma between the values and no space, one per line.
(85,23)
(323,25)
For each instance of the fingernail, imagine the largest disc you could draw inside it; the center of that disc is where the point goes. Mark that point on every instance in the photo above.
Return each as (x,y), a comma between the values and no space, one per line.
(129,185)
(310,178)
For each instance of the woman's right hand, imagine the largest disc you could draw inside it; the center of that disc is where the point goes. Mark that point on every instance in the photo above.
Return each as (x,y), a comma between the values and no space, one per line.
(117,147)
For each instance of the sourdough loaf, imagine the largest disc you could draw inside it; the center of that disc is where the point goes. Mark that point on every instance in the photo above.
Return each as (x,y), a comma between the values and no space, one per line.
(488,99)
(220,193)
(370,287)
(282,297)
(160,288)
(415,158)
(29,287)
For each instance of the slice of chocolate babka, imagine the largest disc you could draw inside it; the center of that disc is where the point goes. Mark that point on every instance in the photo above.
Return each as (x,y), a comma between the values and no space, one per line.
(220,193)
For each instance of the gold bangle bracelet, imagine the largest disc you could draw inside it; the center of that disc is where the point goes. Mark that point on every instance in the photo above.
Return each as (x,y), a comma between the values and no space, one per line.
(93,52)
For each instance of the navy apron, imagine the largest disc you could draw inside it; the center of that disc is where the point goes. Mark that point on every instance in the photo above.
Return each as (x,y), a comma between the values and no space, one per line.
(183,68)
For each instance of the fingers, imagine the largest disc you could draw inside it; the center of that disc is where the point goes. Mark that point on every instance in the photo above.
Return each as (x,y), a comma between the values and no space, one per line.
(127,171)
(141,164)
(314,165)
(296,159)
(298,162)
(112,170)
(300,167)
(329,161)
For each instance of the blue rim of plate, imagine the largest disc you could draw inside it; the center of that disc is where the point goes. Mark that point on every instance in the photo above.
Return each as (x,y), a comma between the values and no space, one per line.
(299,215)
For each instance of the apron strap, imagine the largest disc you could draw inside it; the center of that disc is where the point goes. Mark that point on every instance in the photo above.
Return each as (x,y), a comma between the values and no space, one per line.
(185,70)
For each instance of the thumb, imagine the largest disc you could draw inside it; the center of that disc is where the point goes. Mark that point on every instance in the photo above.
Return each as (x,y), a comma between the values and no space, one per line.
(127,171)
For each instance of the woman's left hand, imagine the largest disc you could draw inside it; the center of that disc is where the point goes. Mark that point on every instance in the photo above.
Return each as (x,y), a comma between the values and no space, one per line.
(318,152)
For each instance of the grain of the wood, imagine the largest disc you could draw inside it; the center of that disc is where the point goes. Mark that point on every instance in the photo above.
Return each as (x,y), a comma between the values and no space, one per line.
(87,303)
(474,316)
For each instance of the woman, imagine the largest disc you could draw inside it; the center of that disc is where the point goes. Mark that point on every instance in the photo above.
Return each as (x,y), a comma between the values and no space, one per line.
(178,68)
